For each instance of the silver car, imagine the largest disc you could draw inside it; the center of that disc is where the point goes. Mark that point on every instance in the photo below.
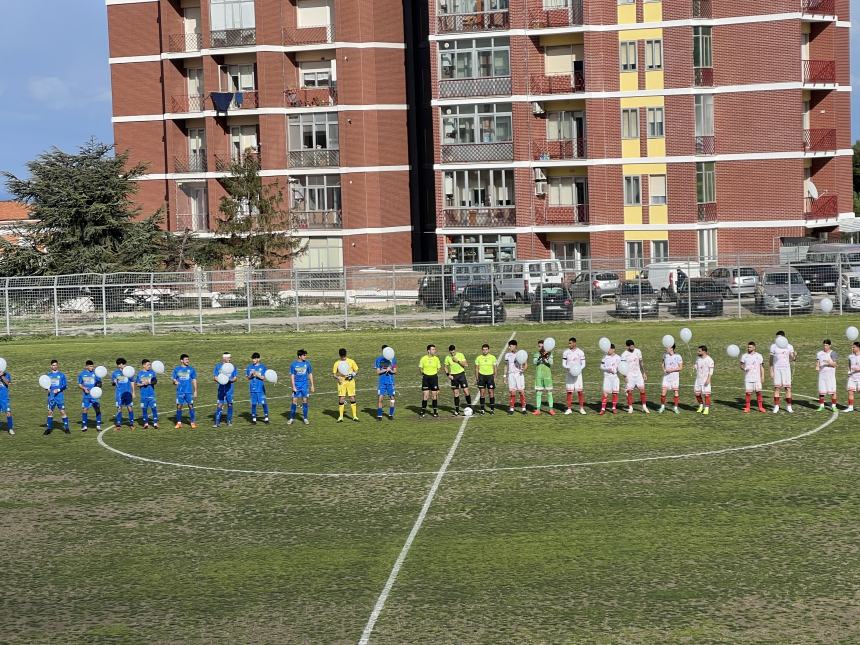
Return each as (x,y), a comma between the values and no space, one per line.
(595,285)
(735,281)
(782,289)
(850,290)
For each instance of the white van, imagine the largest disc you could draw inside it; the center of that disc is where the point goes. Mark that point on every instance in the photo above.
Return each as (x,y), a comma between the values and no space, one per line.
(509,278)
(541,272)
(663,277)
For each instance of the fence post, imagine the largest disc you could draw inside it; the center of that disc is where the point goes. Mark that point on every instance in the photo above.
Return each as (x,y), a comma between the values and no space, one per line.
(6,307)
(839,281)
(248,291)
(56,309)
(492,299)
(445,291)
(152,303)
(104,306)
(689,290)
(200,275)
(591,280)
(540,286)
(639,286)
(296,292)
(345,301)
(788,278)
(394,292)
(739,286)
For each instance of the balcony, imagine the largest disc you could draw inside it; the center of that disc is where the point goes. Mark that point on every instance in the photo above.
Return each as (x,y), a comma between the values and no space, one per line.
(703,76)
(705,145)
(224,38)
(477,152)
(819,140)
(560,149)
(491,217)
(317,158)
(317,220)
(311,96)
(187,103)
(187,221)
(702,9)
(572,214)
(192,42)
(486,86)
(193,162)
(707,213)
(468,22)
(819,71)
(316,35)
(557,84)
(818,7)
(822,207)
(224,163)
(558,13)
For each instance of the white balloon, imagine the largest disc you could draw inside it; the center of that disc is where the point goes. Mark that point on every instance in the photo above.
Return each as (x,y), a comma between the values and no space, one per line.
(45,382)
(781,342)
(733,350)
(2,365)
(549,344)
(604,344)
(228,369)
(522,357)
(128,371)
(343,368)
(686,335)
(271,376)
(222,379)
(826,305)
(575,370)
(158,367)
(668,341)
(623,368)
(101,371)
(852,333)
(467,412)
(388,354)
(96,392)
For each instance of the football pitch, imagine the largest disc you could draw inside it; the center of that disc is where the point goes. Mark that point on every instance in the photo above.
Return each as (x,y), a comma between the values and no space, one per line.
(496,529)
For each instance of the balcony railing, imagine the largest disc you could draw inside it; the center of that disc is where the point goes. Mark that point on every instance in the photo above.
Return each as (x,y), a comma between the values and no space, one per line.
(706,145)
(707,212)
(314,35)
(191,42)
(480,217)
(317,220)
(187,103)
(563,214)
(819,71)
(486,86)
(560,149)
(818,7)
(557,83)
(819,140)
(233,38)
(318,158)
(566,13)
(478,21)
(186,221)
(703,76)
(223,163)
(194,162)
(477,152)
(822,207)
(310,96)
(702,9)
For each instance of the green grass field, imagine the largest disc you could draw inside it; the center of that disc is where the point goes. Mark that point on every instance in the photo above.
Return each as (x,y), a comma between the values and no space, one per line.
(755,545)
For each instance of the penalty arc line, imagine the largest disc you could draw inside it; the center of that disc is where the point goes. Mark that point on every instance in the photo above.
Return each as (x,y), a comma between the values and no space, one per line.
(401,558)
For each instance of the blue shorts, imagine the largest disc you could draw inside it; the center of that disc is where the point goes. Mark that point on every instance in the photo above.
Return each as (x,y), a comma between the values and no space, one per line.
(123,399)
(148,403)
(57,402)
(184,398)
(4,402)
(225,399)
(301,393)
(89,402)
(258,398)
(385,389)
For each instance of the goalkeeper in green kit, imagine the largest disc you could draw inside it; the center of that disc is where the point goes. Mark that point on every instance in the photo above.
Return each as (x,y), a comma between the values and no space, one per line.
(542,361)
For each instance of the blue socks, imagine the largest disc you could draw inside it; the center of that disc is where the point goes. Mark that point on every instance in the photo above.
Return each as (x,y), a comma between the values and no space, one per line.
(265,409)
(305,410)
(229,413)
(293,407)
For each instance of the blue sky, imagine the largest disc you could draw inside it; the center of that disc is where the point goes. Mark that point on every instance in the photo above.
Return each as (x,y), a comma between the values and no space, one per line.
(58,91)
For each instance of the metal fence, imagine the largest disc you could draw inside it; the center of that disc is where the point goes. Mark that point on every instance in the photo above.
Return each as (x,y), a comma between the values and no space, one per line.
(431,295)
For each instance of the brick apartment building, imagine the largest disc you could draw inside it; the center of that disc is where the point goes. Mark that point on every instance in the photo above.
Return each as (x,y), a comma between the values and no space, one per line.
(610,129)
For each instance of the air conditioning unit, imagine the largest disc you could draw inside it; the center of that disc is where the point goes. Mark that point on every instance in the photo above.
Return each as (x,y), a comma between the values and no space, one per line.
(540,188)
(540,175)
(537,109)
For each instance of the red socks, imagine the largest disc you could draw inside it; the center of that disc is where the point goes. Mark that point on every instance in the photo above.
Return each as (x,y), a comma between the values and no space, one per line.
(569,399)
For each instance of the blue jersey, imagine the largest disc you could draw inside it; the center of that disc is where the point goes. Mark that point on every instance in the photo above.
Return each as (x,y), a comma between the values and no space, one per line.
(255,373)
(88,379)
(225,390)
(301,370)
(121,382)
(382,363)
(146,380)
(184,375)
(5,380)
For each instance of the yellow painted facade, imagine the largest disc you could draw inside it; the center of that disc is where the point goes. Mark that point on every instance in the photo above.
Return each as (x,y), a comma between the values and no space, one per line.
(645,236)
(657,147)
(627,14)
(632,215)
(652,11)
(629,81)
(654,80)
(658,214)
(630,148)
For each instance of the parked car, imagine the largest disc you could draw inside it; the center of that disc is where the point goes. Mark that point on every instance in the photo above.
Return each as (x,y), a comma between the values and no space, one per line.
(555,301)
(467,273)
(666,277)
(735,281)
(481,303)
(818,276)
(432,289)
(850,290)
(509,277)
(700,297)
(594,286)
(636,297)
(776,286)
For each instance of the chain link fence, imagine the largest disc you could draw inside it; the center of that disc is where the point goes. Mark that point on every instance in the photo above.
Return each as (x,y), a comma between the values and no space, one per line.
(431,295)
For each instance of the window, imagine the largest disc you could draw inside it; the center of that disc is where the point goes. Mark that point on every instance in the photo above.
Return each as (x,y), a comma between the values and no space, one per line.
(487,123)
(704,115)
(316,193)
(478,58)
(316,73)
(232,14)
(321,253)
(564,126)
(702,47)
(471,6)
(628,56)
(706,182)
(313,13)
(653,54)
(482,248)
(567,191)
(626,1)
(655,123)
(314,131)
(633,257)
(633,190)
(630,123)
(574,255)
(659,250)
(479,188)
(657,189)
(238,78)
(243,139)
(708,245)
(562,59)
(195,82)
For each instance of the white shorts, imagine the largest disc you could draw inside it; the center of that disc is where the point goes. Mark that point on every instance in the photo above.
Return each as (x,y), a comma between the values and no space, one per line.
(572,384)
(610,382)
(634,382)
(752,386)
(782,377)
(671,381)
(701,388)
(854,383)
(826,383)
(516,382)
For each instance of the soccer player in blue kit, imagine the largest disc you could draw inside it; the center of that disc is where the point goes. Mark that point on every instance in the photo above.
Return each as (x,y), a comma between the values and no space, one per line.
(385,387)
(185,379)
(302,381)
(124,393)
(5,405)
(56,397)
(224,404)
(87,380)
(146,380)
(256,375)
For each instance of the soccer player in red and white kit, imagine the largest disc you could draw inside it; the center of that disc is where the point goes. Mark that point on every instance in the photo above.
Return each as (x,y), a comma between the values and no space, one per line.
(780,372)
(825,365)
(752,363)
(636,376)
(673,363)
(704,373)
(609,367)
(853,375)
(573,356)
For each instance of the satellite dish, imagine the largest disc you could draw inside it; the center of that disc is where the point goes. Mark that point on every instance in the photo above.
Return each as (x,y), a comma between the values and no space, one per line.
(811,190)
